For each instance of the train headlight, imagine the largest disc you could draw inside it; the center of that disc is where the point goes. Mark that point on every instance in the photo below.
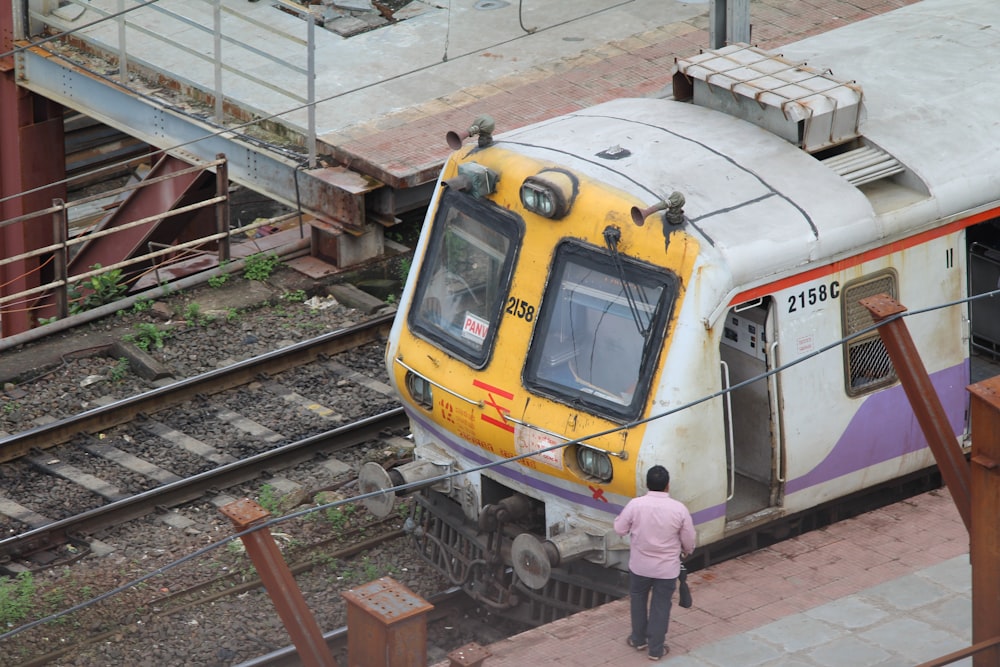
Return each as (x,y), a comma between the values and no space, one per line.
(550,193)
(420,389)
(594,463)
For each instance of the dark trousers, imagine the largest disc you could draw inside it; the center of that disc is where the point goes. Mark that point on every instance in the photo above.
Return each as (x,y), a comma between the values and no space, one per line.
(650,609)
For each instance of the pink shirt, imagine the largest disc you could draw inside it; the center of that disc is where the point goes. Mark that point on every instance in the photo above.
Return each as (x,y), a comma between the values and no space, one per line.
(660,529)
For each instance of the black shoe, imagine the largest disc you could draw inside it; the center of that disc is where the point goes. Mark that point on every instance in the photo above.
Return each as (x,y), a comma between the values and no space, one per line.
(655,658)
(638,647)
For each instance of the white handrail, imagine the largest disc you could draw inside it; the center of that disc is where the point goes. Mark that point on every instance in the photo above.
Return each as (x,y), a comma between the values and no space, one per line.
(728,400)
(775,402)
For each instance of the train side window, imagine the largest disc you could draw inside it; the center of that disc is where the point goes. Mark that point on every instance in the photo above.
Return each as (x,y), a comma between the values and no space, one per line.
(867,366)
(465,275)
(587,347)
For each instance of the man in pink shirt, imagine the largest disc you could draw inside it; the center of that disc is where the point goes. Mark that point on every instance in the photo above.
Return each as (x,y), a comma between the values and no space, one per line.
(661,533)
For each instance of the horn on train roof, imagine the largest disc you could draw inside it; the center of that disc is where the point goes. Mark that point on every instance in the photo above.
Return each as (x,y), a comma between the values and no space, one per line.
(483,127)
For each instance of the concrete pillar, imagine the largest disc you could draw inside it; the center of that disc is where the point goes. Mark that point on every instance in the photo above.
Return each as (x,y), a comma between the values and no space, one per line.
(728,22)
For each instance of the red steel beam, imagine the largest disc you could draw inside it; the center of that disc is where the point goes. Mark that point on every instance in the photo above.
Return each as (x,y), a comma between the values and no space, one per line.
(984,543)
(32,156)
(280,584)
(926,404)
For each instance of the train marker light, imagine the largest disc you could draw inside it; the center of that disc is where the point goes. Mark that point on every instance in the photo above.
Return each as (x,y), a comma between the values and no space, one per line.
(420,389)
(550,193)
(594,463)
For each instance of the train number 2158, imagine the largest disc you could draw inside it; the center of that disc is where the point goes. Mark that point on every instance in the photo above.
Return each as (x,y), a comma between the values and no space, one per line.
(519,308)
(813,295)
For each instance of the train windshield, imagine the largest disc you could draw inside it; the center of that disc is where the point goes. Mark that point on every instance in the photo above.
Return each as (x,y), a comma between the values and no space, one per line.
(465,276)
(598,325)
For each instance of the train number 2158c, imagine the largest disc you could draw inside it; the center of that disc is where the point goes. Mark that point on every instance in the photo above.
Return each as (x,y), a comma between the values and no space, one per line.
(813,295)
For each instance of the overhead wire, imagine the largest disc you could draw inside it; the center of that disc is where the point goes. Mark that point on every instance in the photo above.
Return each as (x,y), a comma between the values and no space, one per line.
(410,486)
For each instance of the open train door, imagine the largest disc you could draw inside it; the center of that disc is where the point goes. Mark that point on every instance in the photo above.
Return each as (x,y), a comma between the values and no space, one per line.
(753,436)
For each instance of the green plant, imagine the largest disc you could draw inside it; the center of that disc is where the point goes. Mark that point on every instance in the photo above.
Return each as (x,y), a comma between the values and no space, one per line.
(326,560)
(54,598)
(219,279)
(147,335)
(404,268)
(338,516)
(142,305)
(10,406)
(390,299)
(96,291)
(119,370)
(260,266)
(370,569)
(269,499)
(193,316)
(15,597)
(42,321)
(232,314)
(295,296)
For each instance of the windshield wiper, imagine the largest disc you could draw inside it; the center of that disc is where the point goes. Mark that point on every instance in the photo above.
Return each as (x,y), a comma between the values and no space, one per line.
(612,235)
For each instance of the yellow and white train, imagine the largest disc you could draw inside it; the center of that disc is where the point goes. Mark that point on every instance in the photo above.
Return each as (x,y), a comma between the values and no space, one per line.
(587,289)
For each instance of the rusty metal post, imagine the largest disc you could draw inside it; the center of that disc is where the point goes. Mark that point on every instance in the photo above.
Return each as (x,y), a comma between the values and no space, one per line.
(60,257)
(470,655)
(222,208)
(926,404)
(280,584)
(984,545)
(386,625)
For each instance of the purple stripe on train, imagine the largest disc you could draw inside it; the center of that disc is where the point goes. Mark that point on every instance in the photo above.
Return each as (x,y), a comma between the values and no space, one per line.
(885,427)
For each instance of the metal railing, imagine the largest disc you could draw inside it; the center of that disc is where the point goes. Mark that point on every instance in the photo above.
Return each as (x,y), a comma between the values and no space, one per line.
(157,22)
(158,256)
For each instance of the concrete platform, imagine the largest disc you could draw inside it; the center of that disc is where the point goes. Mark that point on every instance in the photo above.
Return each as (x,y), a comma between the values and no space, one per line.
(890,588)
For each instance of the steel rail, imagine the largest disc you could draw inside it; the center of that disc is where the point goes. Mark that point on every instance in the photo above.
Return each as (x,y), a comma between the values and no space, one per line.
(120,412)
(189,489)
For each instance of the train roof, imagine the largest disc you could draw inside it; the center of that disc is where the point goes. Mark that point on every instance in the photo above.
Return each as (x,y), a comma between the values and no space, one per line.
(767,206)
(931,87)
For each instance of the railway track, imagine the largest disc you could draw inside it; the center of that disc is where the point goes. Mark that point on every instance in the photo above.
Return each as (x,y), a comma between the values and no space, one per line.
(191,438)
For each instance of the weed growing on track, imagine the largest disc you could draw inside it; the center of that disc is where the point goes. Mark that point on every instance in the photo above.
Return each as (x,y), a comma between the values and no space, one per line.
(16,596)
(148,336)
(120,370)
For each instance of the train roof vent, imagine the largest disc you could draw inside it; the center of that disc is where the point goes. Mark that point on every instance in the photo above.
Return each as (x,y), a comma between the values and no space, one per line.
(864,165)
(803,105)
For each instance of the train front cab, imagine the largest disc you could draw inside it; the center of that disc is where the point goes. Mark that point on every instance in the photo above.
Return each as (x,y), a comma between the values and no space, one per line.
(519,333)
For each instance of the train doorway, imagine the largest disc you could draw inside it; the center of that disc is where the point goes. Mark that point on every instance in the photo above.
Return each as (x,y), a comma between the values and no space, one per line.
(748,350)
(983,248)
